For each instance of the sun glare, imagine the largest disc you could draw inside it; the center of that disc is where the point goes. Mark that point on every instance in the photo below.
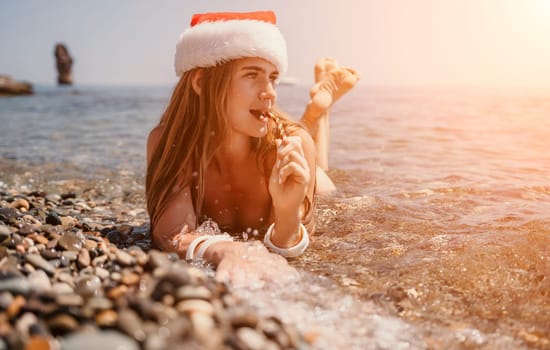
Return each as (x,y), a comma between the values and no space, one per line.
(539,11)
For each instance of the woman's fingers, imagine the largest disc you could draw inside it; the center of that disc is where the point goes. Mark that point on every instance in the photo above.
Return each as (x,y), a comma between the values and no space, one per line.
(297,173)
(293,164)
(291,160)
(289,144)
(293,157)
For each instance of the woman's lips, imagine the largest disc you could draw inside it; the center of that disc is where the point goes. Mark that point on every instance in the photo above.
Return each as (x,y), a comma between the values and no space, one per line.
(261,115)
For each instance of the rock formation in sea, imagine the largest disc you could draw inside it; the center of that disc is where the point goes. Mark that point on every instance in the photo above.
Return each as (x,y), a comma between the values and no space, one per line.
(9,86)
(64,63)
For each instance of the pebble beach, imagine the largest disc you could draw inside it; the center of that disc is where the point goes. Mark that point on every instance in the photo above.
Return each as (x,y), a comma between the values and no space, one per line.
(77,272)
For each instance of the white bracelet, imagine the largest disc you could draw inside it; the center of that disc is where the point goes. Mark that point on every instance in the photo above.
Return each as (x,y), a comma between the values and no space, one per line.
(209,241)
(193,245)
(291,252)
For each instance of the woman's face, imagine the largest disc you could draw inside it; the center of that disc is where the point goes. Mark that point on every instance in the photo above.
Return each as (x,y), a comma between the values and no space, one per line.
(251,93)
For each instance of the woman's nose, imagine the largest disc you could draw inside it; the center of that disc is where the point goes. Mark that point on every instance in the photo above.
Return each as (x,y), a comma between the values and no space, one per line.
(268,93)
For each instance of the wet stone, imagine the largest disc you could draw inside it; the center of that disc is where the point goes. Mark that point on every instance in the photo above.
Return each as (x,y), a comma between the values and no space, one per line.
(195,305)
(68,195)
(117,292)
(115,237)
(100,260)
(130,323)
(38,238)
(69,300)
(99,303)
(83,259)
(141,257)
(65,277)
(125,230)
(63,261)
(18,302)
(21,204)
(101,272)
(39,342)
(61,324)
(50,254)
(62,288)
(15,285)
(124,258)
(70,241)
(250,338)
(53,219)
(87,286)
(40,263)
(67,221)
(130,278)
(70,255)
(4,232)
(27,229)
(52,244)
(13,241)
(52,197)
(100,340)
(106,318)
(39,281)
(7,213)
(203,324)
(38,328)
(6,298)
(243,318)
(193,292)
(90,244)
(3,252)
(158,259)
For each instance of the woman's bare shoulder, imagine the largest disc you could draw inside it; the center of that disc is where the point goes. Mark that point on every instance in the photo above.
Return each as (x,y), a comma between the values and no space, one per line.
(155,133)
(153,140)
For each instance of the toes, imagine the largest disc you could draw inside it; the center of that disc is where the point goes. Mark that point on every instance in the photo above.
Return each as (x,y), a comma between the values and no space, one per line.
(347,78)
(324,66)
(319,70)
(331,65)
(352,72)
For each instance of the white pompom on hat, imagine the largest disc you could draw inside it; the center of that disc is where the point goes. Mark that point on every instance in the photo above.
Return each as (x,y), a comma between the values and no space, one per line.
(219,37)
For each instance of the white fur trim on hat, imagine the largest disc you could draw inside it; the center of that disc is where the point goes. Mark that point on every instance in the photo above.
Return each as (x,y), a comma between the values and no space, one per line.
(210,43)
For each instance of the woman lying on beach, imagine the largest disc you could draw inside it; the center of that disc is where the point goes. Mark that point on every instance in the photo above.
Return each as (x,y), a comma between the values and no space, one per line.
(223,153)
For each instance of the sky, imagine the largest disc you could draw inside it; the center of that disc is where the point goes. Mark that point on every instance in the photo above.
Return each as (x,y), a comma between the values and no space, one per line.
(500,43)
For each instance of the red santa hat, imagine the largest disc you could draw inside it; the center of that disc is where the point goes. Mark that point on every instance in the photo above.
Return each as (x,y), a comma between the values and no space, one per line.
(215,38)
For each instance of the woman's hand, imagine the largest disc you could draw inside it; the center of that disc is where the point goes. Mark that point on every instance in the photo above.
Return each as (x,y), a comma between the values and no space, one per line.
(290,176)
(251,265)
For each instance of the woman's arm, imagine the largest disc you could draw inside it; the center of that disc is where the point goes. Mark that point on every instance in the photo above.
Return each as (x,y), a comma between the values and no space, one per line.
(174,229)
(292,179)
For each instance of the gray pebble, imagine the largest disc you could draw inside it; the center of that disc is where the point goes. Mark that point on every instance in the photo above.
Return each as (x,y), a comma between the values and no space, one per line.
(40,263)
(108,340)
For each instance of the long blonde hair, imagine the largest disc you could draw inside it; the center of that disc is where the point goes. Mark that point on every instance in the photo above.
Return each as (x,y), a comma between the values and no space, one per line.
(193,129)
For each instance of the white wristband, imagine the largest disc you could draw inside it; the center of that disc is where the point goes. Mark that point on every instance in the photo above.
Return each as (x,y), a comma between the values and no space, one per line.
(193,245)
(291,252)
(209,241)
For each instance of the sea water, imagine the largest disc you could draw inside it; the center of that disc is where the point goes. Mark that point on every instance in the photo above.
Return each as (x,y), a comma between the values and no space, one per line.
(439,235)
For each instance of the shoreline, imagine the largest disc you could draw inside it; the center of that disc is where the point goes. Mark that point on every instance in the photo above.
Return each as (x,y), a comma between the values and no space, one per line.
(400,271)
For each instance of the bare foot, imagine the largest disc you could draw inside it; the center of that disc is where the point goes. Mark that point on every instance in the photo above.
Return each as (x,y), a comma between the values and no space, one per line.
(337,82)
(323,67)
